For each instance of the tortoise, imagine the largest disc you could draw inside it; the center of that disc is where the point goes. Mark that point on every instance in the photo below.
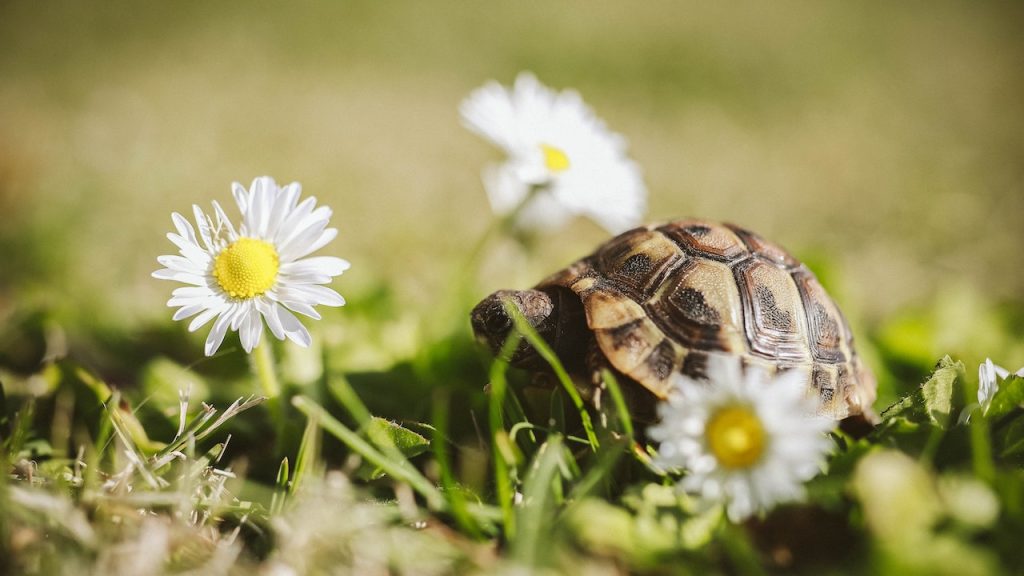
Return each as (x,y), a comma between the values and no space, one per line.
(663,299)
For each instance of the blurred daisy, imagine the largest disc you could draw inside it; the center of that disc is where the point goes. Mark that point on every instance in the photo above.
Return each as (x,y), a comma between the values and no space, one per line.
(746,440)
(259,272)
(989,375)
(562,159)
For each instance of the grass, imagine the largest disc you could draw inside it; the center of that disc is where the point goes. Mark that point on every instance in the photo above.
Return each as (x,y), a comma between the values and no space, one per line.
(881,143)
(505,477)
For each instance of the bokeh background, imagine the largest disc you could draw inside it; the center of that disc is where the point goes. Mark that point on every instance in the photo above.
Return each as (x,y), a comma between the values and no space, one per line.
(881,142)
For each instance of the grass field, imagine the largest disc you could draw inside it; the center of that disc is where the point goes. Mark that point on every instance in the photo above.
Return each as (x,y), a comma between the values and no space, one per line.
(881,144)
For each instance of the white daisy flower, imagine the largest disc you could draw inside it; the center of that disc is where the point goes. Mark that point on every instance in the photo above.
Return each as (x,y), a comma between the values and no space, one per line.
(746,440)
(989,375)
(559,152)
(257,272)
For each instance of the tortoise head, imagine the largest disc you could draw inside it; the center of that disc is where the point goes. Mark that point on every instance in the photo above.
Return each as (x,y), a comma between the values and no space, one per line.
(557,317)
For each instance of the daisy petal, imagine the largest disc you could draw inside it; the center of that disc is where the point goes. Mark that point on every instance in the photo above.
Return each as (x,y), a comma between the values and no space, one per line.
(269,311)
(294,329)
(328,265)
(201,320)
(220,328)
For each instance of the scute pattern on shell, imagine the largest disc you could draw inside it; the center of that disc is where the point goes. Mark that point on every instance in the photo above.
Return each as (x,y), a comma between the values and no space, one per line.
(662,299)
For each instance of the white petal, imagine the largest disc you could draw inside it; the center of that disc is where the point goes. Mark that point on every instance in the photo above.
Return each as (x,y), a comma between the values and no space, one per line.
(189,250)
(325,237)
(296,246)
(224,221)
(283,204)
(181,264)
(187,278)
(289,225)
(302,308)
(187,312)
(192,292)
(203,224)
(220,328)
(250,330)
(261,198)
(238,318)
(241,196)
(269,311)
(303,279)
(311,294)
(294,329)
(184,228)
(201,320)
(327,265)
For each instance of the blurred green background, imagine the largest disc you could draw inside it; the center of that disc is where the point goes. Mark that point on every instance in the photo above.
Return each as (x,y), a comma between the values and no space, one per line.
(882,143)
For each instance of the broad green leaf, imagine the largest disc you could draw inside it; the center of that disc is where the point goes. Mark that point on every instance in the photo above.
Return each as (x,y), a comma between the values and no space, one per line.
(1009,397)
(937,392)
(1009,441)
(935,401)
(382,430)
(400,470)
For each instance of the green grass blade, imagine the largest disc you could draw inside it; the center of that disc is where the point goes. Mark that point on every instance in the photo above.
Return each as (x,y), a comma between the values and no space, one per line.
(280,488)
(455,495)
(502,481)
(536,513)
(343,392)
(399,470)
(545,351)
(600,470)
(516,413)
(619,401)
(308,456)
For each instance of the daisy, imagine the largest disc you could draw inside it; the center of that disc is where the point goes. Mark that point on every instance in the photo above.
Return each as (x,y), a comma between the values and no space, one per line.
(562,159)
(746,440)
(259,272)
(989,375)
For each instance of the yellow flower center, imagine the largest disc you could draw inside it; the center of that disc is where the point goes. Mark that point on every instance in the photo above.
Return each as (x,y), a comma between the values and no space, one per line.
(246,268)
(554,158)
(735,436)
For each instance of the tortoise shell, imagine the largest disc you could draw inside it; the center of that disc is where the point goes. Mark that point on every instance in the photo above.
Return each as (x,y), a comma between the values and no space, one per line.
(662,299)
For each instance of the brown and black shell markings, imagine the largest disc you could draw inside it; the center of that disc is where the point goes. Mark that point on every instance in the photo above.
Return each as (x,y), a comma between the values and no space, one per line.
(661,299)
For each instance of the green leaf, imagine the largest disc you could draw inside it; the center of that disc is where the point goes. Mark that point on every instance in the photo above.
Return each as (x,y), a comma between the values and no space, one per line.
(382,430)
(1011,441)
(1008,398)
(937,392)
(399,469)
(934,402)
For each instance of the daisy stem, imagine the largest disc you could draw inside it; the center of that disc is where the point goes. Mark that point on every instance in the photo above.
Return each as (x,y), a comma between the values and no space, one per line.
(498,227)
(262,362)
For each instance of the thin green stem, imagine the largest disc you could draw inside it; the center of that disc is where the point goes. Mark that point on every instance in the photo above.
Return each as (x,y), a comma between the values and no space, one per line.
(262,361)
(498,227)
(981,443)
